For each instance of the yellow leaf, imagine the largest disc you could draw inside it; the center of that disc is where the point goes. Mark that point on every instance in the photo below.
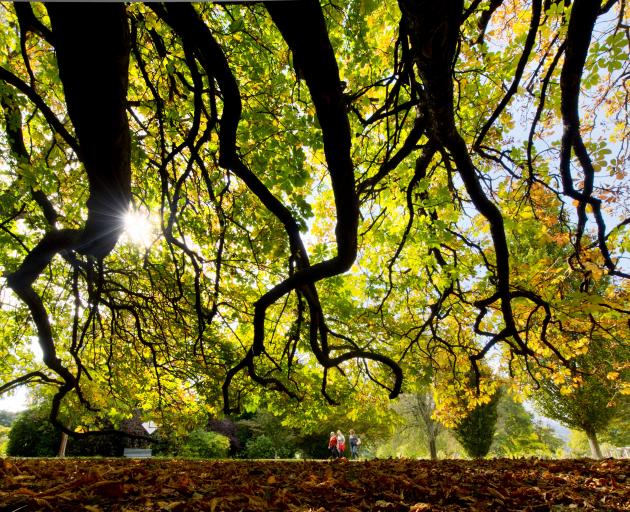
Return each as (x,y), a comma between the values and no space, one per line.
(214,502)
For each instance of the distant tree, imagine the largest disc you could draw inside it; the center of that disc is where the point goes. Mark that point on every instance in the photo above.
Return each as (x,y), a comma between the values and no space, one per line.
(476,431)
(618,431)
(268,437)
(578,444)
(7,418)
(265,447)
(418,409)
(548,437)
(517,434)
(590,405)
(313,445)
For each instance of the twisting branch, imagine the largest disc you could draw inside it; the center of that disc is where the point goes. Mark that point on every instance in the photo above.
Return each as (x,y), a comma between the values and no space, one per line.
(539,110)
(584,14)
(314,56)
(91,42)
(408,146)
(434,42)
(36,99)
(518,74)
(13,117)
(31,377)
(422,163)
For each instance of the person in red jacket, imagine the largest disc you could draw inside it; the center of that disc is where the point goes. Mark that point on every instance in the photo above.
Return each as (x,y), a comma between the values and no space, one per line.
(332,445)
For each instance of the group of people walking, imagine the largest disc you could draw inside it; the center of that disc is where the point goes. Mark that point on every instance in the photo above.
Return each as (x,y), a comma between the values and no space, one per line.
(337,444)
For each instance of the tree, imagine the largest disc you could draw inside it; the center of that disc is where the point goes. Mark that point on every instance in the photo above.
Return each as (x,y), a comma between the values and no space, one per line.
(517,435)
(617,432)
(476,431)
(227,428)
(267,437)
(590,404)
(206,445)
(334,197)
(419,408)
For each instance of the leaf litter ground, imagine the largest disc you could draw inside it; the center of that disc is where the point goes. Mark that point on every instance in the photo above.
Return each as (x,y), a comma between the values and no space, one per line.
(96,485)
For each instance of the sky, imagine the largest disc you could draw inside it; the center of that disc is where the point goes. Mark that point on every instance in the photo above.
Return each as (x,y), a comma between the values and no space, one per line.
(16,402)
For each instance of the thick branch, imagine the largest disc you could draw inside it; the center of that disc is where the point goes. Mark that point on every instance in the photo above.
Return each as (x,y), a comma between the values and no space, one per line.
(583,17)
(92,46)
(434,43)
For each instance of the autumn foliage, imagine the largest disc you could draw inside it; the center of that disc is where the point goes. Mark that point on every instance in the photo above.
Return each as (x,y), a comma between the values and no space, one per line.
(332,202)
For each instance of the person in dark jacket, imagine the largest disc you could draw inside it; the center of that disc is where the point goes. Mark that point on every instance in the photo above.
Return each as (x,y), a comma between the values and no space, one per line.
(355,442)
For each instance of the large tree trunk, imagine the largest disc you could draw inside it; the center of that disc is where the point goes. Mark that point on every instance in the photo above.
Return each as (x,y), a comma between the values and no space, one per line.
(594,444)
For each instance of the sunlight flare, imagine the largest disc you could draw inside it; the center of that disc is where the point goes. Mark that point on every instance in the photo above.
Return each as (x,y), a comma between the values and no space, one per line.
(138,227)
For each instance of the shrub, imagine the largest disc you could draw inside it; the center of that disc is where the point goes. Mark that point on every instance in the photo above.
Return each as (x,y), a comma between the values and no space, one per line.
(263,447)
(32,435)
(229,429)
(205,445)
(4,439)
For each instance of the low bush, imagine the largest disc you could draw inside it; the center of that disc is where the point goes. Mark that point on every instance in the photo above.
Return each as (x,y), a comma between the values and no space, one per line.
(32,435)
(205,445)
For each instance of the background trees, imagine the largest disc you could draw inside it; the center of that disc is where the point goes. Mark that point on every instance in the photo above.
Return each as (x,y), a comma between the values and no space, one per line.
(420,408)
(323,199)
(596,400)
(518,434)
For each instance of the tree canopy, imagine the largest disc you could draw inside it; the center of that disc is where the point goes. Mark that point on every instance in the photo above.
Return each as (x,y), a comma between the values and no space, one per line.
(203,202)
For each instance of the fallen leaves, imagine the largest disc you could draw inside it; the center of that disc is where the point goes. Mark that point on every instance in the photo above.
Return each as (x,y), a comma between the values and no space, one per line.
(104,485)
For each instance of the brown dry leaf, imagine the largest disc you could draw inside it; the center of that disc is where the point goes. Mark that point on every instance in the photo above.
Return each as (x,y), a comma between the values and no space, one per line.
(165,505)
(44,504)
(24,490)
(119,485)
(111,489)
(214,502)
(419,507)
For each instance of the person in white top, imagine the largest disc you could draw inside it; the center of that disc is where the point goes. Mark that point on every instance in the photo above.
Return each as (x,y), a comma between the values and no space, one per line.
(341,443)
